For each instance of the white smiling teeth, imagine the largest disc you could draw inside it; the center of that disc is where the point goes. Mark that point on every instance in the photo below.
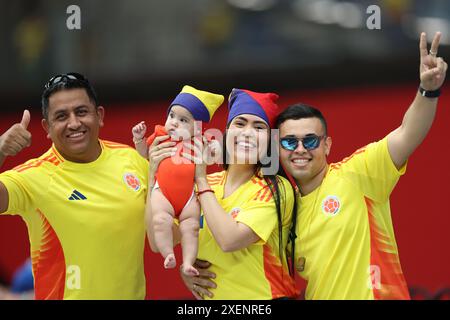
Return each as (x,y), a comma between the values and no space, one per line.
(300,160)
(75,135)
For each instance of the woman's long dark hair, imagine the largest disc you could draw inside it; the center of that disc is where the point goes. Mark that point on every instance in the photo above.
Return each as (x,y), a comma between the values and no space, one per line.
(293,228)
(274,183)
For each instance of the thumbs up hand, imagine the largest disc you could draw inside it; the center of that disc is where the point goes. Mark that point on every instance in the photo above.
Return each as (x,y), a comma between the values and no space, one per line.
(17,137)
(25,119)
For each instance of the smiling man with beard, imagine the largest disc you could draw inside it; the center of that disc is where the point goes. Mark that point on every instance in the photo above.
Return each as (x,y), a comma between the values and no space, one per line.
(82,201)
(345,246)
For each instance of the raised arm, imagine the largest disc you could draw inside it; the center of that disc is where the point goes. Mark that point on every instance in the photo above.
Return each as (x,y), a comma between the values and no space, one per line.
(419,117)
(12,142)
(140,144)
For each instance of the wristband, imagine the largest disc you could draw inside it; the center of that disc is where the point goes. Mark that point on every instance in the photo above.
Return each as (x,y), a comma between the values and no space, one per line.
(429,94)
(204,191)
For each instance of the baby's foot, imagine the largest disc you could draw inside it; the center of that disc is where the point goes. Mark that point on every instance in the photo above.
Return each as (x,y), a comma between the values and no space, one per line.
(170,262)
(190,270)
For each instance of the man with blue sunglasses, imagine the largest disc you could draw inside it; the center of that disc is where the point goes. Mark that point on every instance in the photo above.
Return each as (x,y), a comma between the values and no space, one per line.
(345,246)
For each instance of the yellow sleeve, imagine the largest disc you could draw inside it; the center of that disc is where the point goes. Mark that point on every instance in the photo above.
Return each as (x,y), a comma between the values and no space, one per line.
(371,169)
(261,215)
(19,193)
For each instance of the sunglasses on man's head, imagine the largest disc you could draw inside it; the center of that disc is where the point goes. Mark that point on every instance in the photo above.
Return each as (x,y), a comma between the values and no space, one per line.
(64,78)
(309,142)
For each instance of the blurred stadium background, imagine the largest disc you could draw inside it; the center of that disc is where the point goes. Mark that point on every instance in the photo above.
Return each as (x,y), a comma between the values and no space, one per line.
(138,54)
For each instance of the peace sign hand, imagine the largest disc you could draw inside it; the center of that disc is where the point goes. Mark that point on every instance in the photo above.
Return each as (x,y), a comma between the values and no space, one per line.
(432,68)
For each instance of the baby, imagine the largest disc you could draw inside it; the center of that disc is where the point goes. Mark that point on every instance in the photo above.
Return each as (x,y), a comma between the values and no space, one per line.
(173,193)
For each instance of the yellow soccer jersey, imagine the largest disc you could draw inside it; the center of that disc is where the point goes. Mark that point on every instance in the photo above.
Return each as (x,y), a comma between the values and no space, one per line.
(85,222)
(255,272)
(346,241)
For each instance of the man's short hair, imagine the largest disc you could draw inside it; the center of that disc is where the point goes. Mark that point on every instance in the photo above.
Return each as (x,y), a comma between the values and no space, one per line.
(301,111)
(66,82)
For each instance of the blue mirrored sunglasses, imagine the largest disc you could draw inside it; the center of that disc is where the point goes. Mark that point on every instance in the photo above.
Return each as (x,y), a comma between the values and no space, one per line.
(309,142)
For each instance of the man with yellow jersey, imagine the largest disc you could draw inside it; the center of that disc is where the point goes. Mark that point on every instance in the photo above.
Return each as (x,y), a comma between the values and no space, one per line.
(83,200)
(345,246)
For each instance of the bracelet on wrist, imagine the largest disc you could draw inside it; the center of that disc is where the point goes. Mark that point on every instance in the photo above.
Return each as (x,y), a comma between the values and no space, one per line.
(429,94)
(198,193)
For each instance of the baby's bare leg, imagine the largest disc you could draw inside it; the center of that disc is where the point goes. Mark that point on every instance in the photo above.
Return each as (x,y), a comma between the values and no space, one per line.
(163,220)
(189,227)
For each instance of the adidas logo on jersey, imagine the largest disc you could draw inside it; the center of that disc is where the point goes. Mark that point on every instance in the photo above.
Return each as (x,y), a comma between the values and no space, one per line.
(76,195)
